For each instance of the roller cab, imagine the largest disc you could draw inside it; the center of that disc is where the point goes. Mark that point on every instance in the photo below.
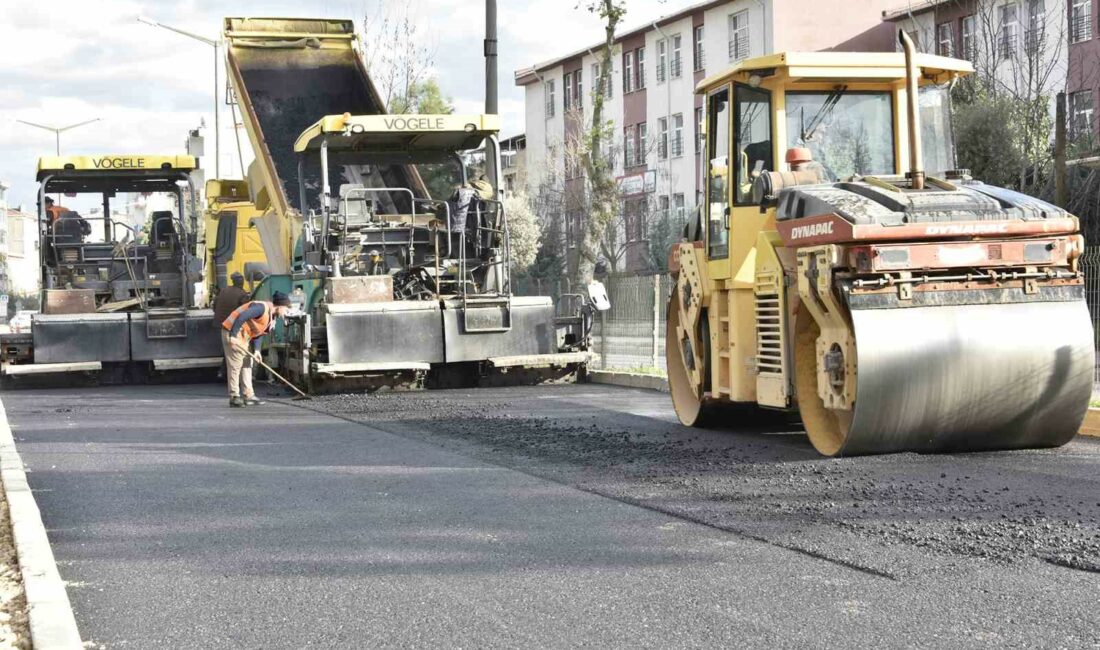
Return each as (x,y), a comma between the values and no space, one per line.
(844,268)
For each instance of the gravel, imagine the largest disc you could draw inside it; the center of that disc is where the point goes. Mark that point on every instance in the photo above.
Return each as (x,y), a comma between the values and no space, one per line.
(14,630)
(1003,507)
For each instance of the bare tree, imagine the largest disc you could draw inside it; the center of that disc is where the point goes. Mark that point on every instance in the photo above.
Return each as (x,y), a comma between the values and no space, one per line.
(398,51)
(598,167)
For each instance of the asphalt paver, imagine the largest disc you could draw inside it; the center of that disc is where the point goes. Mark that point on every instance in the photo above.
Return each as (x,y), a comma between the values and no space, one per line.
(553,516)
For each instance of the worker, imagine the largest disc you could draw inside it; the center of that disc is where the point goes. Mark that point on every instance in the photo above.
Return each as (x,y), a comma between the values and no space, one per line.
(242,331)
(229,299)
(53,211)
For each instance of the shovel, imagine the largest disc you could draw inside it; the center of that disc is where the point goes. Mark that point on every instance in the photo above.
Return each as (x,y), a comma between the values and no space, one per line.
(301,396)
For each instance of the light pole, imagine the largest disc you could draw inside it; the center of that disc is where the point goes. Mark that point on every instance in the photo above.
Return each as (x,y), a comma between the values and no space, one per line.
(214,44)
(57,130)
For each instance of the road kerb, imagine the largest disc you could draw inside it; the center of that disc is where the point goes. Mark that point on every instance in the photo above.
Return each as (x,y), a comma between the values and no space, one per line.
(628,379)
(1091,425)
(50,615)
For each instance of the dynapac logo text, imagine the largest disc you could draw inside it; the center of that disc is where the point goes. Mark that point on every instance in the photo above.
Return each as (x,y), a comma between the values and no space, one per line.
(967,229)
(812,230)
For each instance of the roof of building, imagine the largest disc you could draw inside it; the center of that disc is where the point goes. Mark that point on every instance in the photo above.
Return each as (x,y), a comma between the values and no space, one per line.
(845,65)
(911,9)
(528,75)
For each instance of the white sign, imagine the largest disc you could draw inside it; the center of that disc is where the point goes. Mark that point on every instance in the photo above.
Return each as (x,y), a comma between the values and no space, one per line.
(640,183)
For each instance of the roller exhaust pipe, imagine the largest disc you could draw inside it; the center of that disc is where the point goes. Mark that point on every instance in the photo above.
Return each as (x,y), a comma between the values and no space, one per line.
(916,157)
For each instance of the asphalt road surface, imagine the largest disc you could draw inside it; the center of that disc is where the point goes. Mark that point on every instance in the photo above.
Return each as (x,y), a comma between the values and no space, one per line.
(556,516)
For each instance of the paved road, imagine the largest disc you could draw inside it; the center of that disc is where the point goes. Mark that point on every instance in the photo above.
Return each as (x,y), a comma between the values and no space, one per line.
(555,516)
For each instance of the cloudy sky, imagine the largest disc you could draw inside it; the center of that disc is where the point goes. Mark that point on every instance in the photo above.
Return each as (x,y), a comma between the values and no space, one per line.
(65,61)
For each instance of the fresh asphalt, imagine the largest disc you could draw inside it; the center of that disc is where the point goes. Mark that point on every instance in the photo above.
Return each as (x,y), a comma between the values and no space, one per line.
(539,517)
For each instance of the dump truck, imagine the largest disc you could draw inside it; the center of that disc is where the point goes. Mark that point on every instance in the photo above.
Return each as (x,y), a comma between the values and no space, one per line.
(230,241)
(846,269)
(117,298)
(387,231)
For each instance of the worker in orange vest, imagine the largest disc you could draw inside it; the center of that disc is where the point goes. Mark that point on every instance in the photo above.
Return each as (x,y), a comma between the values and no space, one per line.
(241,335)
(54,211)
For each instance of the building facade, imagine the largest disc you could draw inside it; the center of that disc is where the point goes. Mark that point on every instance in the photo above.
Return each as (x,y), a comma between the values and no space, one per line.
(1023,46)
(655,114)
(1083,70)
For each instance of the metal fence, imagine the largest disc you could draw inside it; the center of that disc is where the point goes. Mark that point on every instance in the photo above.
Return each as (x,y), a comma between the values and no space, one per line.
(631,335)
(1090,264)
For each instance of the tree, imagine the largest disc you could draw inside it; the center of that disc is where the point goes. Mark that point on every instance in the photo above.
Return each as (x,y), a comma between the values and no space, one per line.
(397,53)
(602,188)
(524,229)
(424,97)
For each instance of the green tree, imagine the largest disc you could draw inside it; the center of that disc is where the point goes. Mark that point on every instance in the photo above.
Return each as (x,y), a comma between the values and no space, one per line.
(423,97)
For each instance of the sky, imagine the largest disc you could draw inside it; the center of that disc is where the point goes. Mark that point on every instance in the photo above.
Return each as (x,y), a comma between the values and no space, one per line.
(66,61)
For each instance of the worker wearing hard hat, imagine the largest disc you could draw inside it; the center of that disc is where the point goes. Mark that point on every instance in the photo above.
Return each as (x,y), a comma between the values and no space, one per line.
(242,332)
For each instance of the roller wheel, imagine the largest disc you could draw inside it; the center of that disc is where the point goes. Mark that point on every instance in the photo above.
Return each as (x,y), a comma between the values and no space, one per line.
(826,428)
(693,410)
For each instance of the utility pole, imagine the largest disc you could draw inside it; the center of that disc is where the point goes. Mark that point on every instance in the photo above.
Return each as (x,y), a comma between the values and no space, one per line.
(491,106)
(217,64)
(1060,198)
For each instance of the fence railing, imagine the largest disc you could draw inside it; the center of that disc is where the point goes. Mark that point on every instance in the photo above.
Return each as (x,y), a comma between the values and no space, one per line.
(1090,265)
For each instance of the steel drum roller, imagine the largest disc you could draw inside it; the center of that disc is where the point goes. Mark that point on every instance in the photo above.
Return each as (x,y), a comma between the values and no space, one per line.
(970,377)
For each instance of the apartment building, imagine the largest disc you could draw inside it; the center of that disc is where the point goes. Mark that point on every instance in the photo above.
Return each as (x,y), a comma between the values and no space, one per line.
(1025,46)
(653,108)
(1083,70)
(513,162)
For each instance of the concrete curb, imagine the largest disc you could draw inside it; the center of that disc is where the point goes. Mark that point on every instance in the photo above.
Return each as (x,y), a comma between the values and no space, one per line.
(1091,425)
(628,379)
(49,613)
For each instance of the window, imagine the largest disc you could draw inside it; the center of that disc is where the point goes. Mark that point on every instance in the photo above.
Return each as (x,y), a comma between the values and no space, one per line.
(628,72)
(570,235)
(698,130)
(1080,114)
(607,89)
(549,93)
(634,213)
(700,51)
(639,57)
(642,146)
(1033,38)
(739,36)
(677,60)
(718,149)
(567,90)
(662,59)
(678,206)
(944,42)
(752,137)
(662,205)
(578,90)
(628,147)
(1080,21)
(1010,27)
(662,138)
(969,48)
(849,133)
(677,135)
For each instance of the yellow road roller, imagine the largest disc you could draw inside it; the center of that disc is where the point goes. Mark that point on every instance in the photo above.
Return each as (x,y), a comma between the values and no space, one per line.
(844,266)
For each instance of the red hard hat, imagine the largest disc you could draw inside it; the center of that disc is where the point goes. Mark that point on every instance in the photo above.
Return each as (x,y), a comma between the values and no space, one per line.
(796,155)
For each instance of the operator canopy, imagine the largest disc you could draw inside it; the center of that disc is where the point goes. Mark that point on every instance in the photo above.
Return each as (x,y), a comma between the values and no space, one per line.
(853,67)
(417,136)
(114,173)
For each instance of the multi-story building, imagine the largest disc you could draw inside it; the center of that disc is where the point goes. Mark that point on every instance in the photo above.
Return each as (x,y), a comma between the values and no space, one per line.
(4,284)
(1083,68)
(21,253)
(513,161)
(1022,46)
(653,108)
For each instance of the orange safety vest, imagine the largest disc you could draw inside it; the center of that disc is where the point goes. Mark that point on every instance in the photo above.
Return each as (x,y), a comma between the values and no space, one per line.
(253,328)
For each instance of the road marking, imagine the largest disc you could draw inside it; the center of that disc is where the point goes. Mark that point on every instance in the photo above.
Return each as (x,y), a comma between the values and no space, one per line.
(49,612)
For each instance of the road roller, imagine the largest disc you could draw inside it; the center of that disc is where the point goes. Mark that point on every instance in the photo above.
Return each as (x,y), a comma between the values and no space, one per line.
(842,267)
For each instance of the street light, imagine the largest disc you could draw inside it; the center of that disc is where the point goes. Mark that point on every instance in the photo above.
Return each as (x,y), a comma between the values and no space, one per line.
(214,44)
(57,130)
